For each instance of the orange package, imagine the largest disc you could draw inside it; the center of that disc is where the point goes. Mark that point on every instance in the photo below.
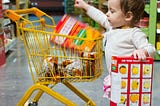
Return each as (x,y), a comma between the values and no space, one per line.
(89,43)
(75,30)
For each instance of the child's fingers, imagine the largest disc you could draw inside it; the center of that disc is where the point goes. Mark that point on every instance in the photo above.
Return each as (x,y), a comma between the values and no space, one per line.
(139,55)
(134,55)
(76,4)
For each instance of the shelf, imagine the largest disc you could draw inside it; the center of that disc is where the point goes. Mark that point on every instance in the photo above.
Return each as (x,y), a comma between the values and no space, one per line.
(158,31)
(10,44)
(152,35)
(21,4)
(147,8)
(105,3)
(145,30)
(6,22)
(158,51)
(5,1)
(158,10)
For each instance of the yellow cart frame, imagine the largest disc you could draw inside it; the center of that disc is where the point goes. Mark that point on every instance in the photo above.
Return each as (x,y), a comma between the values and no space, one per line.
(36,37)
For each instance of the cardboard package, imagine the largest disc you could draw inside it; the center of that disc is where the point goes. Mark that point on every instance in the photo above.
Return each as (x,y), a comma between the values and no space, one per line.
(131,82)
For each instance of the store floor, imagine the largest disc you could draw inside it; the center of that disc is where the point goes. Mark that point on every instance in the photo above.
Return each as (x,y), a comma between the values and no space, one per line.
(15,79)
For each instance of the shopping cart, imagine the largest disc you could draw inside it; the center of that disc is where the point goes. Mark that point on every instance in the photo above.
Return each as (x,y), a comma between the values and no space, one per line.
(51,63)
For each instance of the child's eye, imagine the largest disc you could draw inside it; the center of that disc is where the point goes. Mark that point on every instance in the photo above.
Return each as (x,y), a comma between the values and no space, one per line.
(112,11)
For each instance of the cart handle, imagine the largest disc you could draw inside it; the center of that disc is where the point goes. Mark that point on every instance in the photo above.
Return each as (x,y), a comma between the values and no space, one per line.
(14,15)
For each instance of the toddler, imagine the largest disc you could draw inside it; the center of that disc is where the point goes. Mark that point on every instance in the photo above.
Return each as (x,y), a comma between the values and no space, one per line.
(122,37)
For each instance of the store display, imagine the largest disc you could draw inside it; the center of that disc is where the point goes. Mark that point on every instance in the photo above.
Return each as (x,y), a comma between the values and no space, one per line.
(8,26)
(131,81)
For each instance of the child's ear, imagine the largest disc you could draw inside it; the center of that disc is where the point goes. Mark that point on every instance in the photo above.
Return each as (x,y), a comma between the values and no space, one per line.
(129,16)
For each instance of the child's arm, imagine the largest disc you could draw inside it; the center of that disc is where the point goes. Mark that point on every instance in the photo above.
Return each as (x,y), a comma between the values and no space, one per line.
(143,47)
(81,4)
(94,13)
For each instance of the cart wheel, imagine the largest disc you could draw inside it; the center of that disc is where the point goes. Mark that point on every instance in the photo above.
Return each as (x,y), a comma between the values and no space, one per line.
(33,104)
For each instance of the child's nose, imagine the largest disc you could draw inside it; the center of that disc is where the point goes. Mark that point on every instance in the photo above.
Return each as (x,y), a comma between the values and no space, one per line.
(107,14)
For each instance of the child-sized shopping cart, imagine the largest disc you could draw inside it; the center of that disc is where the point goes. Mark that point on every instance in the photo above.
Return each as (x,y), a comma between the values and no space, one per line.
(53,63)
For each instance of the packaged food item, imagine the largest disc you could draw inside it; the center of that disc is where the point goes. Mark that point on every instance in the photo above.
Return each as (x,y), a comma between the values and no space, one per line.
(59,27)
(78,36)
(64,27)
(131,81)
(89,43)
(50,67)
(74,32)
(89,63)
(74,68)
(78,42)
(67,27)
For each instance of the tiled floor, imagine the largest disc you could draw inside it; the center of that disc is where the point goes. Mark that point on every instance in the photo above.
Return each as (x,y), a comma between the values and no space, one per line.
(15,79)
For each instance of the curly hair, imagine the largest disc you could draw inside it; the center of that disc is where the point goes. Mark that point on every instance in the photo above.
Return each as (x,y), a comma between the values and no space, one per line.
(134,6)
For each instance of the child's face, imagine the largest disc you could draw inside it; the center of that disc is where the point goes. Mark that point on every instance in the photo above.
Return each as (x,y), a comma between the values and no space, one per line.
(115,15)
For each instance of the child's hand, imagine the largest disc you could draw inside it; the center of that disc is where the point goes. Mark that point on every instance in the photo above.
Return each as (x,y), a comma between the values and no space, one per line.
(140,54)
(81,4)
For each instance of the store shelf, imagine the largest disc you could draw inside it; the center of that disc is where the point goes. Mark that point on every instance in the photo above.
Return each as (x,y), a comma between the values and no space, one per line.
(158,10)
(105,3)
(152,31)
(147,8)
(158,31)
(8,26)
(10,43)
(5,1)
(145,30)
(6,22)
(21,4)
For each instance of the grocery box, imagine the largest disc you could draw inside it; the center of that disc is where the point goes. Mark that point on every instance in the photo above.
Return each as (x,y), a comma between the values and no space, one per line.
(131,81)
(73,30)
